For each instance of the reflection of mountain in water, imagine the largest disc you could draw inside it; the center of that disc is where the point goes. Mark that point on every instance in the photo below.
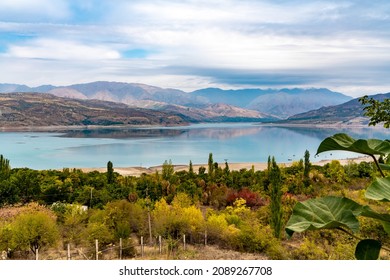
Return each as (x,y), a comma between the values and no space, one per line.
(122,133)
(355,132)
(223,133)
(218,133)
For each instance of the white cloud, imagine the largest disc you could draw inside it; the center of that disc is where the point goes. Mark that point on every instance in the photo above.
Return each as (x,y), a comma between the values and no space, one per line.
(335,41)
(61,50)
(28,10)
(229,12)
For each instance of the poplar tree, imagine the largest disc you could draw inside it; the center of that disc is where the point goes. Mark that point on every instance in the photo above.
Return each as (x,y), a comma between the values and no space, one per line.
(110,173)
(211,165)
(276,199)
(306,170)
(191,169)
(4,168)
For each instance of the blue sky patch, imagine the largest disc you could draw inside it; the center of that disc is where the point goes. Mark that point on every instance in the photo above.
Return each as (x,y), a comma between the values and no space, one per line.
(135,53)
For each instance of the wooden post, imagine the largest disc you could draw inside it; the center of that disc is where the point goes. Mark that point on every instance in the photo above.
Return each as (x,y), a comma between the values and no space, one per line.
(205,237)
(142,246)
(120,248)
(68,251)
(184,241)
(37,254)
(159,244)
(97,249)
(150,227)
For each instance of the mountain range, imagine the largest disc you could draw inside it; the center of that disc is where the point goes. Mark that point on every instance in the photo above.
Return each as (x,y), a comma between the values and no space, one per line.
(25,110)
(348,113)
(210,104)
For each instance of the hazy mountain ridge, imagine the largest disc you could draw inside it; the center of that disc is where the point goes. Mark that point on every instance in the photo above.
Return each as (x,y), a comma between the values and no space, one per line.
(350,112)
(283,102)
(37,110)
(211,104)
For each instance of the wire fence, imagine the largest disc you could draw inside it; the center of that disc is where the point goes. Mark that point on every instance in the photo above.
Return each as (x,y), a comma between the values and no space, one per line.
(131,248)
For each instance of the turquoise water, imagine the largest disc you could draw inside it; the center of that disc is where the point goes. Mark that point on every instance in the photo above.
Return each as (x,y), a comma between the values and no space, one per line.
(150,147)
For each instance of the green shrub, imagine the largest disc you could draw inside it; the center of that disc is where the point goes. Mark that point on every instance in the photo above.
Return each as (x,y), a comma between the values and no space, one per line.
(258,239)
(309,250)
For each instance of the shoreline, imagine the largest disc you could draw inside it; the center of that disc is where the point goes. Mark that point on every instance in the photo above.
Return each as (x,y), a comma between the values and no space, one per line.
(138,171)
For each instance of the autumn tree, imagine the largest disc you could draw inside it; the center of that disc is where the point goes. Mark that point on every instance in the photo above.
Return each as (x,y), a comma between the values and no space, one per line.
(34,230)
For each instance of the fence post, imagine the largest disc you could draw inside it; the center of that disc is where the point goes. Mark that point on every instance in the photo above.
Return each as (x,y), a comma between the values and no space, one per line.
(120,248)
(37,254)
(184,241)
(97,249)
(142,246)
(205,237)
(159,244)
(68,251)
(150,227)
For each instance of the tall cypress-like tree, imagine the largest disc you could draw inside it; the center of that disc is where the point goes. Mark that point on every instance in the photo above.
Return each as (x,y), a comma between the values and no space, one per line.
(7,193)
(306,170)
(110,173)
(191,169)
(276,218)
(210,165)
(4,168)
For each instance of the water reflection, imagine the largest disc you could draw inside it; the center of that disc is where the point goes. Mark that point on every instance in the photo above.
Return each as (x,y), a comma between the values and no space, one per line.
(152,146)
(124,133)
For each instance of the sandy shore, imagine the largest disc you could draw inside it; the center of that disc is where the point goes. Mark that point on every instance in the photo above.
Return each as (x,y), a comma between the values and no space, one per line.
(137,171)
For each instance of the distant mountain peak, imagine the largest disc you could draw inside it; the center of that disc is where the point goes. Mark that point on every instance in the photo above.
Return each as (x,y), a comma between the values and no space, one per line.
(350,112)
(283,102)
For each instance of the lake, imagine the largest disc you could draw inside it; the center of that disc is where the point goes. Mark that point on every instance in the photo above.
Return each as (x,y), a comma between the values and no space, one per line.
(146,147)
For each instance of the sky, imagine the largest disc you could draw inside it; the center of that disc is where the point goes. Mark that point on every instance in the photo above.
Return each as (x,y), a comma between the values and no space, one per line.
(189,44)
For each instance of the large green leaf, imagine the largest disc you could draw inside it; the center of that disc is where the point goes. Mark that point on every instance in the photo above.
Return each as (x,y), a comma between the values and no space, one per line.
(324,213)
(379,189)
(383,218)
(384,166)
(343,142)
(368,212)
(386,227)
(368,249)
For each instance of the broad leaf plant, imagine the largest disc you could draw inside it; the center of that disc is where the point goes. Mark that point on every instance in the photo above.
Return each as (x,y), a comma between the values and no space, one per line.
(342,213)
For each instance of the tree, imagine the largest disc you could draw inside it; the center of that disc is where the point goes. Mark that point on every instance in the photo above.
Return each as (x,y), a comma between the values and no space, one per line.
(226,169)
(210,165)
(276,218)
(5,168)
(74,220)
(167,170)
(377,111)
(124,218)
(25,183)
(306,170)
(110,173)
(7,193)
(34,230)
(191,170)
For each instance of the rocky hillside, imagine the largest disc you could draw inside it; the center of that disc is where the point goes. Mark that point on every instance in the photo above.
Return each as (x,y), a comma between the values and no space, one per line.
(243,103)
(350,112)
(282,103)
(35,110)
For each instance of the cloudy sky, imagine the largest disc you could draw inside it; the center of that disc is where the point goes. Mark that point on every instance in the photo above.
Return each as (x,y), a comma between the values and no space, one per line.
(189,44)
